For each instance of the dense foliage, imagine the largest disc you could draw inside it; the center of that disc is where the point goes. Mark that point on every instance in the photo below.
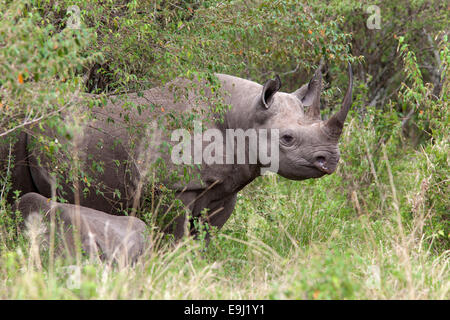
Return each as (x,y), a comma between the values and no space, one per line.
(387,205)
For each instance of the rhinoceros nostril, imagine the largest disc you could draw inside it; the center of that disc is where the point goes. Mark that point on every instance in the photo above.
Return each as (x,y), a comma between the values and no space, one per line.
(321,164)
(321,160)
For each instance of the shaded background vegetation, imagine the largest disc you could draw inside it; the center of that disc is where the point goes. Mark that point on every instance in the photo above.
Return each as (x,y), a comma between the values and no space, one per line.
(394,165)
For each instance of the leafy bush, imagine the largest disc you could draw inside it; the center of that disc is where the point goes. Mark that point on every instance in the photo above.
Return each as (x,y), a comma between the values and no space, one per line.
(377,228)
(41,65)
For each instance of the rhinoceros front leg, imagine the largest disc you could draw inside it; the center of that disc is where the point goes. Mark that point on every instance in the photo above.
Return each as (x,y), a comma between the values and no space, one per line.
(121,238)
(219,212)
(180,226)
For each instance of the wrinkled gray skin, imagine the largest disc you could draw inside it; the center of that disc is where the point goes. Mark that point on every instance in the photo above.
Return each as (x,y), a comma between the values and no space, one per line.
(308,148)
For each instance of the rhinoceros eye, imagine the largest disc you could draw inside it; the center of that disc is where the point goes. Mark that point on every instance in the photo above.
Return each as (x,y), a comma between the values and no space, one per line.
(287,139)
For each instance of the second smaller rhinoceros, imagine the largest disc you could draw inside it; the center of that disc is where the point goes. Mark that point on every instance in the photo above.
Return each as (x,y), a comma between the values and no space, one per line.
(119,238)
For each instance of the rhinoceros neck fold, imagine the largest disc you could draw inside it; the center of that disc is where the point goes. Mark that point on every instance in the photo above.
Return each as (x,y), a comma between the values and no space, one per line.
(242,95)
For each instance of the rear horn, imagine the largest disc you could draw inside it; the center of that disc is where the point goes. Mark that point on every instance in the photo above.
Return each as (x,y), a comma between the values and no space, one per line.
(335,124)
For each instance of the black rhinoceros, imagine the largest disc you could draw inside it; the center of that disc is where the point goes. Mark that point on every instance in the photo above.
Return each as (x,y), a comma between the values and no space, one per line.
(120,143)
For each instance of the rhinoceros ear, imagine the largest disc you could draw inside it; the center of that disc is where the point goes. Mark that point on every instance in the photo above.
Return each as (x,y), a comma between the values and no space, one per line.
(270,87)
(309,94)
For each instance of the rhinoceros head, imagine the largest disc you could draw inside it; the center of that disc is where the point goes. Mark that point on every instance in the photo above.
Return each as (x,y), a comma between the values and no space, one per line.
(308,146)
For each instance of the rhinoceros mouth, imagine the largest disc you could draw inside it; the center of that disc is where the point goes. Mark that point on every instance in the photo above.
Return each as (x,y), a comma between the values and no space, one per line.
(317,172)
(304,172)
